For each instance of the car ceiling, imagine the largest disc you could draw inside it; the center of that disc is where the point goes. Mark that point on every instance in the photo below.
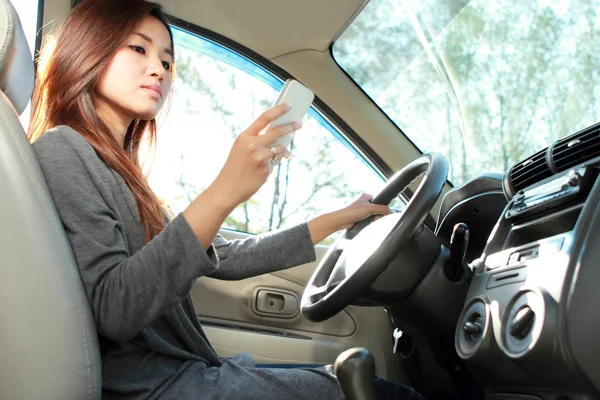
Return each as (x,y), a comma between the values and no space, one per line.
(269,27)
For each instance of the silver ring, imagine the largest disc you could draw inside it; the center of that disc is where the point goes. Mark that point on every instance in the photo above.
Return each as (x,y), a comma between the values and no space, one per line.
(272,150)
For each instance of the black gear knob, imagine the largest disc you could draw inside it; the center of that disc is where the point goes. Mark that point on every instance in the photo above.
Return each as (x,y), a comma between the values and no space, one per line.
(355,369)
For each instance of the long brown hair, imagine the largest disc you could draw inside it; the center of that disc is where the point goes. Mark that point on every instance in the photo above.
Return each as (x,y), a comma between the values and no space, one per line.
(69,70)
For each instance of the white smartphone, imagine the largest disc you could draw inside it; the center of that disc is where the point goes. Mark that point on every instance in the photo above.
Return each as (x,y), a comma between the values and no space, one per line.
(300,97)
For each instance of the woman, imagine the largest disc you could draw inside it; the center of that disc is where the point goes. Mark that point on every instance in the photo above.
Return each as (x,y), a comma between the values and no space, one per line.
(97,95)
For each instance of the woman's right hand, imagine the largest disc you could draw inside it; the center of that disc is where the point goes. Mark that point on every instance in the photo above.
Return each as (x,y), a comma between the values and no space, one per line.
(249,163)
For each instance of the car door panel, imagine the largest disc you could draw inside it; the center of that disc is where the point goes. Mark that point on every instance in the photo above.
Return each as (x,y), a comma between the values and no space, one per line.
(274,349)
(232,301)
(227,310)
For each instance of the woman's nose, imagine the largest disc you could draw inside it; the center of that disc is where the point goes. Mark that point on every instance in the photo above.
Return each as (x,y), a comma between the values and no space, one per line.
(156,68)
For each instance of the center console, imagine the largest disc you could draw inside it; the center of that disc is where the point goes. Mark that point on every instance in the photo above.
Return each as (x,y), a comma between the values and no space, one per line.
(511,329)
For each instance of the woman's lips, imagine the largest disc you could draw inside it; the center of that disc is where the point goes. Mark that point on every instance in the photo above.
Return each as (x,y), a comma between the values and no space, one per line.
(154,90)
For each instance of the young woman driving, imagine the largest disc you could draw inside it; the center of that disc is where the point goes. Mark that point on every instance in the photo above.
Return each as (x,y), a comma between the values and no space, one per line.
(99,89)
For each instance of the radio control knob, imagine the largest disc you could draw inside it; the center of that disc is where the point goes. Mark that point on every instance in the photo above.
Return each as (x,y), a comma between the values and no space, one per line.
(522,323)
(473,329)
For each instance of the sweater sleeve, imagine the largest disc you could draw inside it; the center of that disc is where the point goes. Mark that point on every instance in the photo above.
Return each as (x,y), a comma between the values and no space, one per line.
(261,254)
(126,291)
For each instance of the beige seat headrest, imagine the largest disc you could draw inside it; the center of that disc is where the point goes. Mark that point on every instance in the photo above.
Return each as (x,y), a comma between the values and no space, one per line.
(16,63)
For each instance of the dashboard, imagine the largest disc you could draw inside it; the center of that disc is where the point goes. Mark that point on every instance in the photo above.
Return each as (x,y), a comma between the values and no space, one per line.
(529,327)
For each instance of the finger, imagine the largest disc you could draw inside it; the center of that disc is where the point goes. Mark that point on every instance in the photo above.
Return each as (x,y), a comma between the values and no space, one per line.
(274,134)
(267,117)
(365,196)
(276,152)
(379,209)
(284,129)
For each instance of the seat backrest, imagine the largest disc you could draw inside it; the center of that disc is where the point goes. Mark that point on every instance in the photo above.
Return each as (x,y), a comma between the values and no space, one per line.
(48,342)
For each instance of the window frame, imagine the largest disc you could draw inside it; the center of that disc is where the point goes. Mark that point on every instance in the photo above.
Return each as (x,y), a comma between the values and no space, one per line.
(39,33)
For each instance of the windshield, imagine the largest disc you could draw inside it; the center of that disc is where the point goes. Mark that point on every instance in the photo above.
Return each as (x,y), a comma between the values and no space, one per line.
(485,82)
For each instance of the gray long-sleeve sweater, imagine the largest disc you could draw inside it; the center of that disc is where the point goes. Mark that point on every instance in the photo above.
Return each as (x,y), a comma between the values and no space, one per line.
(152,344)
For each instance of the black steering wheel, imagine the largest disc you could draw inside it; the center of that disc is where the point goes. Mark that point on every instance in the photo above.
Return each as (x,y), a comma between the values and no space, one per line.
(365,250)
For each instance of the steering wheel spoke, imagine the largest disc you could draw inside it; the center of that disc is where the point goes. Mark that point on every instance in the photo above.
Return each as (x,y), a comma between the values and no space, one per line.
(317,293)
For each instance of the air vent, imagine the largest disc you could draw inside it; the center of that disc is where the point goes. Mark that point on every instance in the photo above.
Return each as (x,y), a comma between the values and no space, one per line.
(530,171)
(577,148)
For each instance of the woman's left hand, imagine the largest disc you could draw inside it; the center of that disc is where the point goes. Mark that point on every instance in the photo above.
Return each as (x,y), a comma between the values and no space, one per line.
(358,210)
(361,208)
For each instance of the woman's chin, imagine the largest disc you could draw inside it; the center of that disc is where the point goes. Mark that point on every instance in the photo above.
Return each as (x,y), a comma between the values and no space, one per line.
(147,115)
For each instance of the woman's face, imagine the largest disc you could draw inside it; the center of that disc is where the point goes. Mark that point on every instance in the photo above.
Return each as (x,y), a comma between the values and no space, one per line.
(138,78)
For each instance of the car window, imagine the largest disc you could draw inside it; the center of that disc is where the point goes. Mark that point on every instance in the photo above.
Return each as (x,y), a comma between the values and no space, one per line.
(485,82)
(28,14)
(218,93)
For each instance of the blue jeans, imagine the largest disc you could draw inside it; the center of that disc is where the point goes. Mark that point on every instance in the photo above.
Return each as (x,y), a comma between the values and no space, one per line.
(386,390)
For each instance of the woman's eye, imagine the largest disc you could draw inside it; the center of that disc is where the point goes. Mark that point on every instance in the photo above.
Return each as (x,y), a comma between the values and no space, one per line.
(138,49)
(166,65)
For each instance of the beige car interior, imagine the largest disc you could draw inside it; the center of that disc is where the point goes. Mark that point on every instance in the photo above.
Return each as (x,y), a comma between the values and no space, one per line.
(49,343)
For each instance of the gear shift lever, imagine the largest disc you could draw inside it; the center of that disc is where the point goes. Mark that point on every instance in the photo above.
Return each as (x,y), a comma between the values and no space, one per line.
(355,369)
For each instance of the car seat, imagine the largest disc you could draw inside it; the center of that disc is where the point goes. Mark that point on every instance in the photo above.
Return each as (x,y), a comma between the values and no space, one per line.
(48,342)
